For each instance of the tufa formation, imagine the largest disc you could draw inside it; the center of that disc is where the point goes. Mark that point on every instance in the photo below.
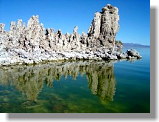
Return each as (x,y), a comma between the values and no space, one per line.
(32,43)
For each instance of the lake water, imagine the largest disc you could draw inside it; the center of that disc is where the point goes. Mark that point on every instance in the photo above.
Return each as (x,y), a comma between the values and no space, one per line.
(77,87)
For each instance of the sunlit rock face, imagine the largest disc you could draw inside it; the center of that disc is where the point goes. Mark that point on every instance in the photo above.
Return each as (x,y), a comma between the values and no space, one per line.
(105,26)
(30,79)
(32,43)
(2,27)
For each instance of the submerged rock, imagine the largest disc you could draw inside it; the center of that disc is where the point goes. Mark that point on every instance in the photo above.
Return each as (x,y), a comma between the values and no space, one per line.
(32,43)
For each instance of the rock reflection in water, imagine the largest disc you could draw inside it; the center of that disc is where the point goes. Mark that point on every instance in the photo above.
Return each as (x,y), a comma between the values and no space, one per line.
(30,79)
(101,80)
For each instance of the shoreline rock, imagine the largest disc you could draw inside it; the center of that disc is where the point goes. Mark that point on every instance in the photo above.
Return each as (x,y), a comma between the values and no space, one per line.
(33,43)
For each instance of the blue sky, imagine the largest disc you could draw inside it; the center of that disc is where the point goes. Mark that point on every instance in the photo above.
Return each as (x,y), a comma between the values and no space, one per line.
(65,14)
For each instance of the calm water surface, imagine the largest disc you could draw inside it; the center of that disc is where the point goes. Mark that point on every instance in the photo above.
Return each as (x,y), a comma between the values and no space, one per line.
(87,87)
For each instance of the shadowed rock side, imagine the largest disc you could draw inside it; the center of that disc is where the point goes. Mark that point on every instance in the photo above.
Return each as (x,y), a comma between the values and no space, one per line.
(32,43)
(30,79)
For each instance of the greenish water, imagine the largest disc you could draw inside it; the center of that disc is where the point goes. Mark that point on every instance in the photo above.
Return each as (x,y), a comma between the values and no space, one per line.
(77,87)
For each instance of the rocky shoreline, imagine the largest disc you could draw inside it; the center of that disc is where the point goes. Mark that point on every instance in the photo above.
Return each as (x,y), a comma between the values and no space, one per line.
(26,58)
(33,43)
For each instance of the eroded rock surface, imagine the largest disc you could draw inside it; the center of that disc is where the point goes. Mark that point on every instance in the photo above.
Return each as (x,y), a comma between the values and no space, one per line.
(32,43)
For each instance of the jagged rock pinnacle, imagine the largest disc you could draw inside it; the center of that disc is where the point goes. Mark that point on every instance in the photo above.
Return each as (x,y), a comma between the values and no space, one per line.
(33,43)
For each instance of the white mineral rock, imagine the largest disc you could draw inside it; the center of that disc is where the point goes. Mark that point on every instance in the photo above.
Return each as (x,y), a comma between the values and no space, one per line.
(33,43)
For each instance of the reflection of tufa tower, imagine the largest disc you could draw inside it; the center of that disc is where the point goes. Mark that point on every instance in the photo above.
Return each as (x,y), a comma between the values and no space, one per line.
(30,79)
(102,81)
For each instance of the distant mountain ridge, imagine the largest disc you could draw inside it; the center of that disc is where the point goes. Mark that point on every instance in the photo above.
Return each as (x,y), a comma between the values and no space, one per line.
(135,44)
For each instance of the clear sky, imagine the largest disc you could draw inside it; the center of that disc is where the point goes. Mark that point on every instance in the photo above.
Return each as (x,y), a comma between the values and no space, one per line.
(65,14)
